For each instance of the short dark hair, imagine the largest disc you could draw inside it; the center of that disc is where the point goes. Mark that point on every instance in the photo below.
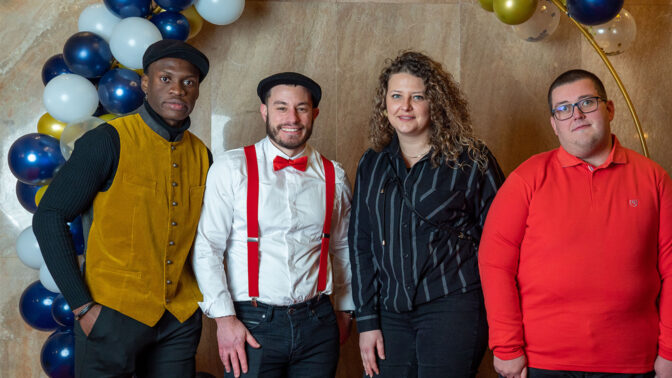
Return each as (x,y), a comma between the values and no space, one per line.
(572,76)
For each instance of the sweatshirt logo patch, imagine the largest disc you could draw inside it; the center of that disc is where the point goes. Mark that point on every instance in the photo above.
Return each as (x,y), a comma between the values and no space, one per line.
(633,202)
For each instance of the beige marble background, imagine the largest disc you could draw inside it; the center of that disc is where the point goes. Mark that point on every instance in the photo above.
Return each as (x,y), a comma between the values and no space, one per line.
(342,44)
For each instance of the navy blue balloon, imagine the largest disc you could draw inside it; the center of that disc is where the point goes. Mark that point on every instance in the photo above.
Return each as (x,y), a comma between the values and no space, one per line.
(119,91)
(77,232)
(593,12)
(58,354)
(35,307)
(26,195)
(172,25)
(34,158)
(87,54)
(129,8)
(53,67)
(62,312)
(174,5)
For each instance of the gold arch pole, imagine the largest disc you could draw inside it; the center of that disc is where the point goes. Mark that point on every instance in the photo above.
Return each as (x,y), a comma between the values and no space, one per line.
(597,48)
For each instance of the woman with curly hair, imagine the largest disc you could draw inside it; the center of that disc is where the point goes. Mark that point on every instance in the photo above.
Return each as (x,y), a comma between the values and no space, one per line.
(420,201)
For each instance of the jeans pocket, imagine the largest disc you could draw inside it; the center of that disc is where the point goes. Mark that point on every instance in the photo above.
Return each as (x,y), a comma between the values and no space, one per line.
(324,314)
(252,317)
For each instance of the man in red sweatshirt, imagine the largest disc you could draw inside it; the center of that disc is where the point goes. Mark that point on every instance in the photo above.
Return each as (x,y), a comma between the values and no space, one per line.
(576,253)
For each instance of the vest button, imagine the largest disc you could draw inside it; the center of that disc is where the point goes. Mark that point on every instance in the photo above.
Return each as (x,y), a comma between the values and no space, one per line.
(167,300)
(175,165)
(168,262)
(172,148)
(173,223)
(173,183)
(171,243)
(169,282)
(174,203)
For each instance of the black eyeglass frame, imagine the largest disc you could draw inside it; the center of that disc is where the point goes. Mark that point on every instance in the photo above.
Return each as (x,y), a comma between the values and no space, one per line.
(576,105)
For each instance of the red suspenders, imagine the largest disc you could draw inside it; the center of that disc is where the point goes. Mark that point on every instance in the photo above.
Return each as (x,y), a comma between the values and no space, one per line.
(253,222)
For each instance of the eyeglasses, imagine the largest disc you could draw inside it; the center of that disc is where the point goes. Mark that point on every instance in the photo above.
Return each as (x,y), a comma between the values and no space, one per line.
(586,105)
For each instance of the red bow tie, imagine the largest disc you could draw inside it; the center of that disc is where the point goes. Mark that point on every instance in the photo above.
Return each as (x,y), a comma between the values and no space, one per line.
(301,163)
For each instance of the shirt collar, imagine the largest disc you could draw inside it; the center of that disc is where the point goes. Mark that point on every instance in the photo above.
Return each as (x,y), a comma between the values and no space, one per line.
(616,156)
(159,126)
(271,151)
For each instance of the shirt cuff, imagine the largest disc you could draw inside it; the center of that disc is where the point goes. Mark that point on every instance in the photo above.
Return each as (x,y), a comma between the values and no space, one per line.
(218,308)
(343,301)
(367,322)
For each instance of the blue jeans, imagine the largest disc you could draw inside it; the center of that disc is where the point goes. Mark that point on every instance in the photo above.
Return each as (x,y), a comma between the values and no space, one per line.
(446,337)
(542,373)
(298,341)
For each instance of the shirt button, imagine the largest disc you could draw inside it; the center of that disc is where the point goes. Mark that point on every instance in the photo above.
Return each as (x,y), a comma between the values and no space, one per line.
(175,165)
(174,183)
(173,223)
(168,262)
(174,203)
(171,243)
(406,255)
(405,225)
(169,282)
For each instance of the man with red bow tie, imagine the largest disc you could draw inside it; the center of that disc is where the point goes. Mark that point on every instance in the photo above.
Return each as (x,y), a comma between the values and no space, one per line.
(276,213)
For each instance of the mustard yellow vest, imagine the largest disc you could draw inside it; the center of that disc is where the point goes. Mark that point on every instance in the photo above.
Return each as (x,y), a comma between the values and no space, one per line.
(144,225)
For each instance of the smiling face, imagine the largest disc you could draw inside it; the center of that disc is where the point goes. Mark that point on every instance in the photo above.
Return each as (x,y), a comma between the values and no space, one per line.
(407,106)
(584,135)
(171,85)
(289,116)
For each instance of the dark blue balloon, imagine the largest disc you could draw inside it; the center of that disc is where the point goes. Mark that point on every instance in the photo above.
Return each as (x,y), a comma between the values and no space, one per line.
(172,25)
(62,312)
(174,5)
(77,232)
(120,92)
(58,354)
(53,67)
(593,12)
(26,195)
(34,158)
(87,54)
(129,8)
(35,307)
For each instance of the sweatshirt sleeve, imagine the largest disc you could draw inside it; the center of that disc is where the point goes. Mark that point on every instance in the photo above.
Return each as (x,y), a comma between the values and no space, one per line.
(665,267)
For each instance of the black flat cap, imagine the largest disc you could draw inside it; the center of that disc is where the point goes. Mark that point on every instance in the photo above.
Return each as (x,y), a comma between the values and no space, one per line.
(171,48)
(290,78)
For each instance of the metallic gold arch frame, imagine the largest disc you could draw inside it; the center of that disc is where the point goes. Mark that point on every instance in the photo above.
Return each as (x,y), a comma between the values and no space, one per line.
(597,48)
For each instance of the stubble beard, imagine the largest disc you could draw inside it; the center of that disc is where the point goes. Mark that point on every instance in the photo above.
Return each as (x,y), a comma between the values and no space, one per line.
(273,131)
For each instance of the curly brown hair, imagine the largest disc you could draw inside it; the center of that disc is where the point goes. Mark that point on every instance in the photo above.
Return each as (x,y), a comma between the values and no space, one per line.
(449,111)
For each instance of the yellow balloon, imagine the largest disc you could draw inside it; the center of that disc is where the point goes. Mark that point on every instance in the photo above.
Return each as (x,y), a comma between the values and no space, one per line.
(486,4)
(39,194)
(108,117)
(195,21)
(50,126)
(514,12)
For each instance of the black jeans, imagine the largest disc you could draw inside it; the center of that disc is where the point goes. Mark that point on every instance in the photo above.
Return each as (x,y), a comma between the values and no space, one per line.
(298,341)
(541,373)
(119,346)
(446,337)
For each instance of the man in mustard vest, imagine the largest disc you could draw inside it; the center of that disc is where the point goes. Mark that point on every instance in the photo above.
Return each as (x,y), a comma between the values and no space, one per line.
(139,182)
(277,214)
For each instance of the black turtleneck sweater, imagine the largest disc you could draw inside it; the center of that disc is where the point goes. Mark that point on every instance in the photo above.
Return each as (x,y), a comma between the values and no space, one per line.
(90,169)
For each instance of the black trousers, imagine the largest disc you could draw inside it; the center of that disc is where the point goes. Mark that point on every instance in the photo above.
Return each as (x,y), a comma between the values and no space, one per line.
(119,346)
(541,373)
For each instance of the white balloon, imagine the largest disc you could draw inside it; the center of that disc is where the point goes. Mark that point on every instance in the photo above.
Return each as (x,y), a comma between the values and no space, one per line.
(70,98)
(130,38)
(74,131)
(96,18)
(28,250)
(616,35)
(543,22)
(47,280)
(220,12)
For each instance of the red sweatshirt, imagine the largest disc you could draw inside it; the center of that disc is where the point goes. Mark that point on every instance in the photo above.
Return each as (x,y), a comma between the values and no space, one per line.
(573,260)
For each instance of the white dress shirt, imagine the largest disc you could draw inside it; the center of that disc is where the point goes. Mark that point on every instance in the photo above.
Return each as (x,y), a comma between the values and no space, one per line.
(291,217)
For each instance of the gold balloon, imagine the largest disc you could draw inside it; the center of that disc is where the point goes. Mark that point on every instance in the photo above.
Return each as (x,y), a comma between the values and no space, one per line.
(514,12)
(116,64)
(195,21)
(486,4)
(108,117)
(39,194)
(50,126)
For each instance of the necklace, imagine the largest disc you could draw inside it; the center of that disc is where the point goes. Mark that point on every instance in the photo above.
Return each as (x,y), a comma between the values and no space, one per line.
(416,156)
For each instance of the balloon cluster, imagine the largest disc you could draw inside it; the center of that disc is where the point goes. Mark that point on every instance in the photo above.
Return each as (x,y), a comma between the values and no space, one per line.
(95,79)
(612,27)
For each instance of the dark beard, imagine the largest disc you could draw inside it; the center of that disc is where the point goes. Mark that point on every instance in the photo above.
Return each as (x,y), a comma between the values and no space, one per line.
(272,133)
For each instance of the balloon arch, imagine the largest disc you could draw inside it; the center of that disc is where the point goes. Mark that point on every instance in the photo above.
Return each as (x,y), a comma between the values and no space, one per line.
(97,78)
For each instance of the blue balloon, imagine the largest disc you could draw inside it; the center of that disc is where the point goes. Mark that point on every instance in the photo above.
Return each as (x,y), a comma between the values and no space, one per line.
(174,5)
(53,67)
(593,12)
(172,25)
(77,232)
(34,158)
(129,8)
(35,307)
(62,312)
(26,195)
(120,92)
(87,54)
(58,354)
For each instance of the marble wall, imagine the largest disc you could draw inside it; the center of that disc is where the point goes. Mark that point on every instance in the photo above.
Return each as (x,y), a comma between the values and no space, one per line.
(342,44)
